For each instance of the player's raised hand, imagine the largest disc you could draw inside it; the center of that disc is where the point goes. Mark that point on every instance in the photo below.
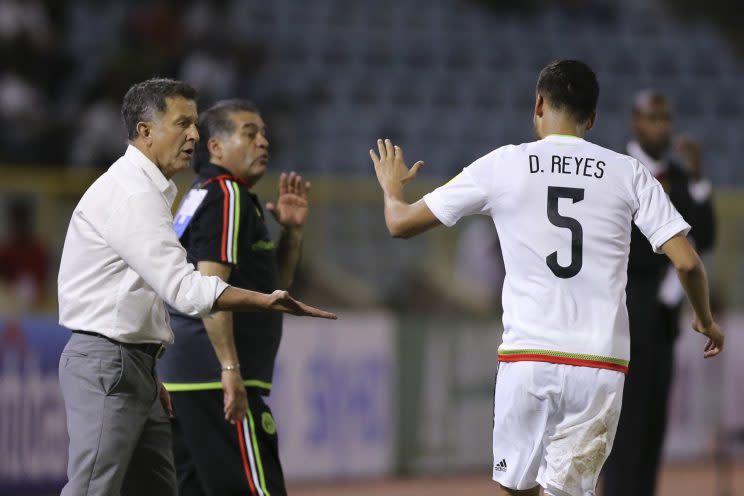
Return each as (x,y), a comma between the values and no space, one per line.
(290,209)
(715,336)
(281,301)
(390,167)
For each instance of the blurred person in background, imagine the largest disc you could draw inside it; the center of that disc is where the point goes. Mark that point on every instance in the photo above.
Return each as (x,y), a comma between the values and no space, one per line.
(121,261)
(219,395)
(24,259)
(32,73)
(654,297)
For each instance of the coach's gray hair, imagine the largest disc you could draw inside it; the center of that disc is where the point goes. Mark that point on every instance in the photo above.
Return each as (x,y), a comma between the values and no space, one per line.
(143,99)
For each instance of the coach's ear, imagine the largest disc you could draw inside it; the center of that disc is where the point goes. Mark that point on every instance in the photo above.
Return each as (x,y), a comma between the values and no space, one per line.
(144,131)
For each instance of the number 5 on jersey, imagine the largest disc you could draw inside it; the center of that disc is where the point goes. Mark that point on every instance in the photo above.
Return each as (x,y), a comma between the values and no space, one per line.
(577,233)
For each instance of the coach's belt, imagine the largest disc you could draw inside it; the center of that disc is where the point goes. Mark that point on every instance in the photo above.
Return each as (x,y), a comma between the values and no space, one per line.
(155,350)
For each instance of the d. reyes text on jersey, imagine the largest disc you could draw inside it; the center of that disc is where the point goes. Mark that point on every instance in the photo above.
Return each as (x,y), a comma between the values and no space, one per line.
(584,166)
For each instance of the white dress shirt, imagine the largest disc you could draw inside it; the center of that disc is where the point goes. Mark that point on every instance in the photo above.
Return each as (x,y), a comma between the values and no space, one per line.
(121,258)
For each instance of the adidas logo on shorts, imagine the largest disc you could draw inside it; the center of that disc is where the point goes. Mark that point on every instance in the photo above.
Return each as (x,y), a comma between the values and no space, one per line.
(501,466)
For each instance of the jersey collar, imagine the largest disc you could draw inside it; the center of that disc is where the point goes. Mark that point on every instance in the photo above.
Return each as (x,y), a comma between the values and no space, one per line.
(562,137)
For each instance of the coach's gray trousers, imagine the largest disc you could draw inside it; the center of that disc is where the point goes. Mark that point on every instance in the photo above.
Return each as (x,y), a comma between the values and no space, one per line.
(120,437)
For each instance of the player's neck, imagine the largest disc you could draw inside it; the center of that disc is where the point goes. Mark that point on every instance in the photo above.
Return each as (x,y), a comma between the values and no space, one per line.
(564,129)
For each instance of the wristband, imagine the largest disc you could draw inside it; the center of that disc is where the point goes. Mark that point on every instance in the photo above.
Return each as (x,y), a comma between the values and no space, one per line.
(231,367)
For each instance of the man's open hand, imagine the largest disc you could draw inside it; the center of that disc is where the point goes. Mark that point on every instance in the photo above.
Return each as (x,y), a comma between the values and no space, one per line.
(165,400)
(390,167)
(235,398)
(715,336)
(281,301)
(290,210)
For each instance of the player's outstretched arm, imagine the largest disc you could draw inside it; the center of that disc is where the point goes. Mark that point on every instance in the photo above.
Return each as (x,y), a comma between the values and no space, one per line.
(243,300)
(692,275)
(403,220)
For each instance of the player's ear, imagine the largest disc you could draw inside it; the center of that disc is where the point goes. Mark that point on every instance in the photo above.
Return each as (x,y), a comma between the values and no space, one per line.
(539,105)
(591,121)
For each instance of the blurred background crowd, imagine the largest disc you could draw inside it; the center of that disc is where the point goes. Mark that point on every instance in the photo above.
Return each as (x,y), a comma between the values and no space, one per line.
(449,80)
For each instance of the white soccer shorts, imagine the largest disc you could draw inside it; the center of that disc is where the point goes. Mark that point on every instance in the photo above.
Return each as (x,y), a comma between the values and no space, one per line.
(554,425)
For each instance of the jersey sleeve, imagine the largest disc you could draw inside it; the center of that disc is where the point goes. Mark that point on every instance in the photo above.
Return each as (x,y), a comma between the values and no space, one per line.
(215,229)
(655,215)
(466,194)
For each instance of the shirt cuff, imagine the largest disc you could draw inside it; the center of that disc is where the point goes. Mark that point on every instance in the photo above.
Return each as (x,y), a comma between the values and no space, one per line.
(221,287)
(667,232)
(701,190)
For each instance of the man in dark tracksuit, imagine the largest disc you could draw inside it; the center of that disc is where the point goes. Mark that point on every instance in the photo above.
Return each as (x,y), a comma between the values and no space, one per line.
(220,368)
(654,300)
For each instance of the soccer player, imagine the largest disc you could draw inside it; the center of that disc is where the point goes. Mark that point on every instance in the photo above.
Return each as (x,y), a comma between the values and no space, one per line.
(563,209)
(220,367)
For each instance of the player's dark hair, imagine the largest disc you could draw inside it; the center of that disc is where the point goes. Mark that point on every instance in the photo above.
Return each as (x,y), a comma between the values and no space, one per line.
(143,99)
(570,86)
(216,121)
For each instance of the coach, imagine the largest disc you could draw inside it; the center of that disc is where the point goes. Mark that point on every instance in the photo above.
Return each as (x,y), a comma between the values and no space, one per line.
(121,259)
(654,298)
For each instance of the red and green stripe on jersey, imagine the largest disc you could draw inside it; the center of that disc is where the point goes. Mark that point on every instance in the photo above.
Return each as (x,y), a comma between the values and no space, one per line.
(230,220)
(230,215)
(579,359)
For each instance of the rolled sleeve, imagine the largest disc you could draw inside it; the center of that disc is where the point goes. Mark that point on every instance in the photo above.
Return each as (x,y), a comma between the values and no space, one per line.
(667,232)
(655,215)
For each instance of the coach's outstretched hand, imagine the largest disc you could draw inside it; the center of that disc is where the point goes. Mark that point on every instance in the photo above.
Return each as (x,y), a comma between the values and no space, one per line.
(242,300)
(715,336)
(391,169)
(282,302)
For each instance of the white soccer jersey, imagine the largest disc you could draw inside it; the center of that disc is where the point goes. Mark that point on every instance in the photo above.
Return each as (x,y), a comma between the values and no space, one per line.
(563,208)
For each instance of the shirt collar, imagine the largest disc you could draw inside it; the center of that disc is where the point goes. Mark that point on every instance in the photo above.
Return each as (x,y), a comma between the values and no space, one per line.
(164,185)
(655,167)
